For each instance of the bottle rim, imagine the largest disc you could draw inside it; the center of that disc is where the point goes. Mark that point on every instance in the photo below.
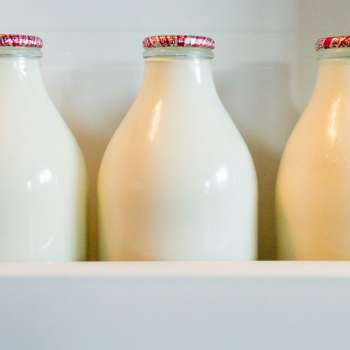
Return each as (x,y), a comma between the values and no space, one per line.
(29,52)
(333,47)
(179,52)
(21,45)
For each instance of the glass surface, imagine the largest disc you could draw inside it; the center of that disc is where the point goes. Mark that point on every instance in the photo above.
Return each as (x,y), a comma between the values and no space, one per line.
(197,52)
(21,51)
(334,53)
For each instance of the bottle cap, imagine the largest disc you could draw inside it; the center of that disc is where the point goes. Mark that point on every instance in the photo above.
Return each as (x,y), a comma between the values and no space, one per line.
(196,41)
(20,40)
(332,42)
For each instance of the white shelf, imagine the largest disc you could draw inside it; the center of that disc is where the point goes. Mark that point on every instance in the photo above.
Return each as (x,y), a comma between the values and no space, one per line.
(175,305)
(179,269)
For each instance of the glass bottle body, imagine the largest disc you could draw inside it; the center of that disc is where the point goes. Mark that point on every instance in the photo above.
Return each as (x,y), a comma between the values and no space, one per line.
(177,181)
(42,171)
(313,192)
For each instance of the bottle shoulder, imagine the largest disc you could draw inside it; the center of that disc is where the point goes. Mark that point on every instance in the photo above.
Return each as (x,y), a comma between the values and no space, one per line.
(319,143)
(185,150)
(38,139)
(156,123)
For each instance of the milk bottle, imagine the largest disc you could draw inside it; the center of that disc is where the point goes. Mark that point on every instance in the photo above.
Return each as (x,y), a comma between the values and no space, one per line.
(42,171)
(313,187)
(177,181)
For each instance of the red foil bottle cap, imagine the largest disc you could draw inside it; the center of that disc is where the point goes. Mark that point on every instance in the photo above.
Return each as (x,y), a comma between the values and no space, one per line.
(157,41)
(332,42)
(20,40)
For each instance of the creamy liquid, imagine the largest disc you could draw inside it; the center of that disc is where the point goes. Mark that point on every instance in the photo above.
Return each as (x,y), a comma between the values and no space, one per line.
(313,188)
(42,172)
(177,181)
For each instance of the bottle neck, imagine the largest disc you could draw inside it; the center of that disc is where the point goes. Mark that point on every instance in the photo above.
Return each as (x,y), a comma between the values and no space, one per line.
(19,70)
(20,75)
(334,73)
(178,76)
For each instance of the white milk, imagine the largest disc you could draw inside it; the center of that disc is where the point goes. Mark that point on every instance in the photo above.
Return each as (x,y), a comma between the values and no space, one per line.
(42,172)
(177,181)
(313,189)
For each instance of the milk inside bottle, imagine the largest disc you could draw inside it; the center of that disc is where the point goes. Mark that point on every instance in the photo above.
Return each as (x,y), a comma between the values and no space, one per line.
(177,181)
(313,187)
(42,171)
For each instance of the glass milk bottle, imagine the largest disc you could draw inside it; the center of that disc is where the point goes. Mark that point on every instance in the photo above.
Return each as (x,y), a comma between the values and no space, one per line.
(177,181)
(42,171)
(313,188)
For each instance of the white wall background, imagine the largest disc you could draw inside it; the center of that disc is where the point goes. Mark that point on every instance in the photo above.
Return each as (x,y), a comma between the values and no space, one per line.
(264,68)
